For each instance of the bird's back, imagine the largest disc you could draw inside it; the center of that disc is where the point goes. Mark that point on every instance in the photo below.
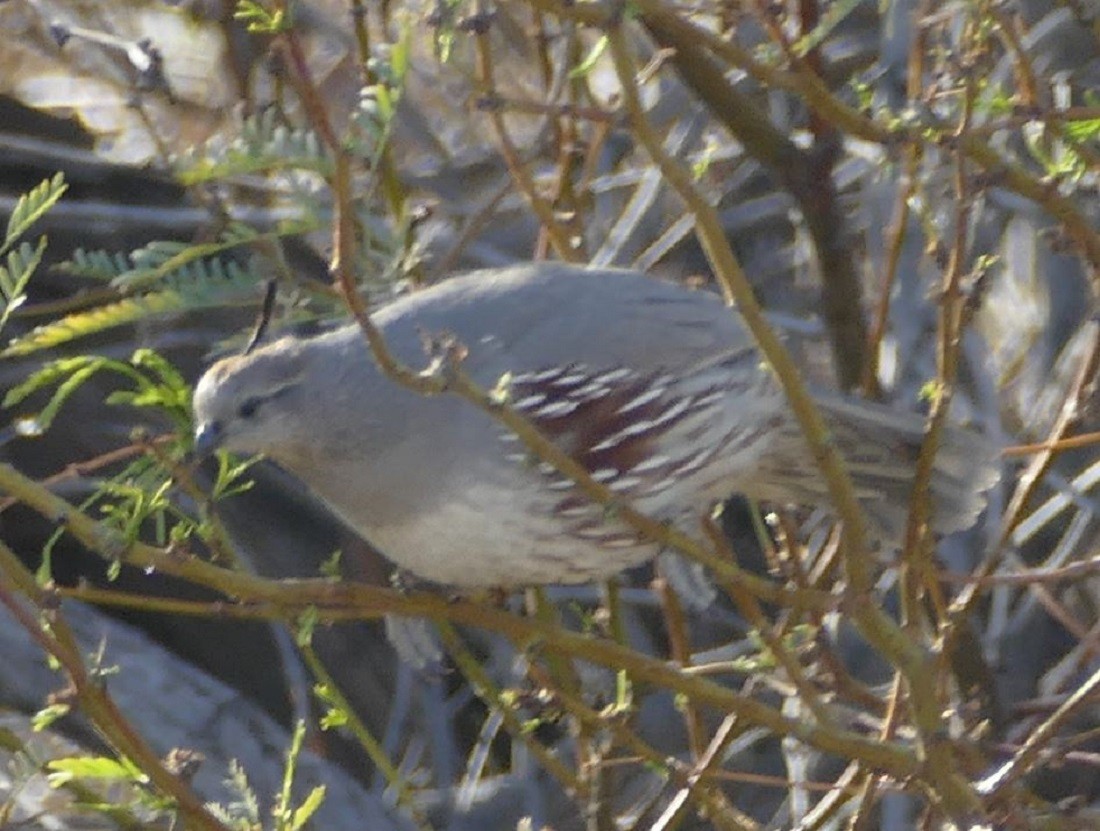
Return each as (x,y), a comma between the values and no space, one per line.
(539,315)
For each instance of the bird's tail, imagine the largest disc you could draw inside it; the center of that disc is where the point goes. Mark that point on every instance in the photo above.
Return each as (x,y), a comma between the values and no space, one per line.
(880,447)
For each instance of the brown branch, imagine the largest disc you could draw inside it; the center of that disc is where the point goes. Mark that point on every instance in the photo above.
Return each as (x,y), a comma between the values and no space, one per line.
(354,601)
(398,781)
(1002,783)
(564,243)
(1029,480)
(484,687)
(445,375)
(754,614)
(806,175)
(914,662)
(57,640)
(1052,446)
(924,130)
(1080,570)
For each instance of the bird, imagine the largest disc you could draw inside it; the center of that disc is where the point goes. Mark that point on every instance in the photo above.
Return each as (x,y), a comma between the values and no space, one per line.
(656,389)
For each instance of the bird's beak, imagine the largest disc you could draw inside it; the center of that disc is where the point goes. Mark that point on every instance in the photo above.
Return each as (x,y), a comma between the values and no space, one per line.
(208,438)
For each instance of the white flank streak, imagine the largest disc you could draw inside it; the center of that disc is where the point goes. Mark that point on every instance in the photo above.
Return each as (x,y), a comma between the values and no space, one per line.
(652,463)
(593,390)
(625,483)
(569,380)
(560,485)
(606,444)
(672,412)
(574,511)
(530,401)
(652,394)
(637,428)
(604,474)
(634,429)
(555,408)
(546,374)
(696,461)
(547,469)
(710,398)
(516,457)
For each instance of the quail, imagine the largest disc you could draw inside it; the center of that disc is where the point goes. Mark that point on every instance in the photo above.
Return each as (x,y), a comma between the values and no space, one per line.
(656,389)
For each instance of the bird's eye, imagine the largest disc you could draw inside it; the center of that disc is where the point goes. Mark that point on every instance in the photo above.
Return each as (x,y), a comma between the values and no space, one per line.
(248,407)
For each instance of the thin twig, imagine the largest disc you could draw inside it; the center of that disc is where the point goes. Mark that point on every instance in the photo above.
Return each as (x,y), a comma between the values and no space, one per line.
(488,691)
(565,244)
(58,641)
(355,601)
(1004,779)
(875,625)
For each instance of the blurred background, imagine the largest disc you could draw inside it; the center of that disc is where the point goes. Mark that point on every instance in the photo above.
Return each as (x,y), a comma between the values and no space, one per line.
(856,153)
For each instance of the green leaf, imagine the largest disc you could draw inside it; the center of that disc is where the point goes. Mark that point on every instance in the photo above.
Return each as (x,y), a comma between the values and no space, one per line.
(330,568)
(334,719)
(1082,130)
(335,716)
(50,374)
(230,472)
(702,164)
(444,15)
(64,390)
(307,623)
(155,364)
(94,767)
(14,277)
(164,259)
(264,144)
(385,103)
(44,573)
(48,715)
(31,207)
(308,808)
(281,811)
(197,286)
(624,691)
(154,383)
(69,374)
(243,812)
(259,20)
(589,62)
(930,391)
(96,265)
(399,55)
(832,18)
(44,418)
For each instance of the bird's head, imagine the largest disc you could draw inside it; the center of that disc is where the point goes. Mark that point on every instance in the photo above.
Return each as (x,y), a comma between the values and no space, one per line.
(252,403)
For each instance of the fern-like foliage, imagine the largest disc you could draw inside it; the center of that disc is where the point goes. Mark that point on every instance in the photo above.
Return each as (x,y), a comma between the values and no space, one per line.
(265,145)
(139,494)
(21,261)
(15,273)
(103,266)
(195,285)
(156,384)
(31,207)
(139,500)
(162,260)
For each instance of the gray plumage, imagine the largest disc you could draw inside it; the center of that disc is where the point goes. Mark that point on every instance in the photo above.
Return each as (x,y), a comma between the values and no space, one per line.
(656,389)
